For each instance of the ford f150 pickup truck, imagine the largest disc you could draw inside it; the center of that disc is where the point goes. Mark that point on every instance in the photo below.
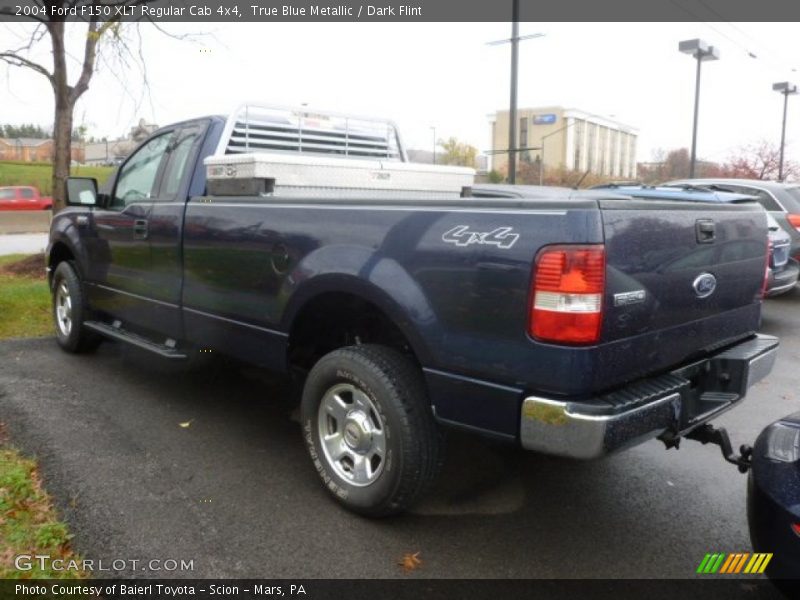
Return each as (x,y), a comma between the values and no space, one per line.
(573,323)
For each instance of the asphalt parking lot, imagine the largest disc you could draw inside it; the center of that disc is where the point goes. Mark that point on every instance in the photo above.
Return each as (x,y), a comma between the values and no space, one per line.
(235,492)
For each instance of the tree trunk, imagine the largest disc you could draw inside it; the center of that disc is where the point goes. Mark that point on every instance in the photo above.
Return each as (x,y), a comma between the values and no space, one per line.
(62,127)
(62,138)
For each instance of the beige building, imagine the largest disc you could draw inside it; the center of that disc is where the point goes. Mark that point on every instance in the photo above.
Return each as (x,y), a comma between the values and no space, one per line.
(568,138)
(33,150)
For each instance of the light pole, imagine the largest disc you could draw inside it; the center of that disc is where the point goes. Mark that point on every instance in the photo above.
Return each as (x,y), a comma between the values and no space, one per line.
(434,144)
(701,51)
(784,88)
(512,110)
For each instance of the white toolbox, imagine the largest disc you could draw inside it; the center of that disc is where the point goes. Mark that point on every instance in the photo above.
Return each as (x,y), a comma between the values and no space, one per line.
(297,152)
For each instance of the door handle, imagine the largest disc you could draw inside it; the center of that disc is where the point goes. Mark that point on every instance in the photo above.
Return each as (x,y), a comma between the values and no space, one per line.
(705,231)
(140,229)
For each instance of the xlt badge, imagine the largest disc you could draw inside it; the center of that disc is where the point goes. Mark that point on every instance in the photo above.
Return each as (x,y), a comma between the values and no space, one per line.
(626,298)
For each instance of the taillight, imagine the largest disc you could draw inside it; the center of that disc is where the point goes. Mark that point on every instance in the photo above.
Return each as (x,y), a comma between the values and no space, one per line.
(766,269)
(794,221)
(796,528)
(567,294)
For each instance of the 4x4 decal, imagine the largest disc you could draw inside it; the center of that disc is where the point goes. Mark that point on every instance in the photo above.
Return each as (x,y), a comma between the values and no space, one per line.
(460,235)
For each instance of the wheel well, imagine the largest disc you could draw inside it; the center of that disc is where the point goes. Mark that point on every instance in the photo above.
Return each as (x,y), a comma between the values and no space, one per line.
(59,254)
(333,320)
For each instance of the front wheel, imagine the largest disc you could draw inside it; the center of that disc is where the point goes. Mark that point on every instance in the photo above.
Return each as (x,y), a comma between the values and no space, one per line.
(70,311)
(369,429)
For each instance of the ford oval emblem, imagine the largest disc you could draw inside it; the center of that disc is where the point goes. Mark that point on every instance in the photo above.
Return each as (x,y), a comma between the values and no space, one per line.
(704,285)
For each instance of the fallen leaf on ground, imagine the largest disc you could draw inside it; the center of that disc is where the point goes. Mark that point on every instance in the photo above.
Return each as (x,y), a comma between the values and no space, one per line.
(410,562)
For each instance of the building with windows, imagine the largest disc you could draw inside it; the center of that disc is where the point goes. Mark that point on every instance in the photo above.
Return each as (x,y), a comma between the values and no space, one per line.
(567,138)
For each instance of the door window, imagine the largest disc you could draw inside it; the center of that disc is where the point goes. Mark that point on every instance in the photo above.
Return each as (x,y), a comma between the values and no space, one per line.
(138,177)
(178,162)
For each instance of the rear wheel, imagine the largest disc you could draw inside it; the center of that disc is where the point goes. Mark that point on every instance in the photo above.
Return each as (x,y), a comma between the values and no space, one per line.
(369,429)
(70,311)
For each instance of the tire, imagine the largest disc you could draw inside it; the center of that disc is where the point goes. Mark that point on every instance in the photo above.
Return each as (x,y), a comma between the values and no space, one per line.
(70,311)
(383,447)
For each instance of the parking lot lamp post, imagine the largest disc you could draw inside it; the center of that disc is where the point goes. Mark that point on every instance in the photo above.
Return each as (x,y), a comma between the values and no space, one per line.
(515,39)
(512,112)
(701,51)
(786,89)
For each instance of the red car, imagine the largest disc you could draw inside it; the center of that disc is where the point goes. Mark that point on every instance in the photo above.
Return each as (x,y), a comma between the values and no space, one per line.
(23,197)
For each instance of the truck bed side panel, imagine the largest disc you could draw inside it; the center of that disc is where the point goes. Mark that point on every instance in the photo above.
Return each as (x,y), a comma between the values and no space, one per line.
(461,299)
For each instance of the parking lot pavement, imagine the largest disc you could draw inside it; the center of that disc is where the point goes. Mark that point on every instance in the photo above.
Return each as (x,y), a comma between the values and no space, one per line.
(235,492)
(22,243)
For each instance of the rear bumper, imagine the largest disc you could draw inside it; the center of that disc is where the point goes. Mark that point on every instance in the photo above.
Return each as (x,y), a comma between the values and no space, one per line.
(675,402)
(784,279)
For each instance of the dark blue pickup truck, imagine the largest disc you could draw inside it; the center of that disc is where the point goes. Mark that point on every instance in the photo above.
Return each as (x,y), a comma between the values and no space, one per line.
(571,323)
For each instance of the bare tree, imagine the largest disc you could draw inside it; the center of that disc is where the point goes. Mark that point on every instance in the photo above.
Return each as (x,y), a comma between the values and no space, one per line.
(759,161)
(101,26)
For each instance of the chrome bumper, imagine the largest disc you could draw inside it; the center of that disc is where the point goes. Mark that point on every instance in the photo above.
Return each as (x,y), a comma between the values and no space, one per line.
(676,402)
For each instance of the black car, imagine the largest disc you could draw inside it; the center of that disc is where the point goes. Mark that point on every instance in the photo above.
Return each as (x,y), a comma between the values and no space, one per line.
(783,269)
(773,497)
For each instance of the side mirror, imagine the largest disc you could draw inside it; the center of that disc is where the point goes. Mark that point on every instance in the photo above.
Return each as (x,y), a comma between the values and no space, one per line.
(81,191)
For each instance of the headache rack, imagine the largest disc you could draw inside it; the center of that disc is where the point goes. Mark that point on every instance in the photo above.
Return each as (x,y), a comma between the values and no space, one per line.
(270,150)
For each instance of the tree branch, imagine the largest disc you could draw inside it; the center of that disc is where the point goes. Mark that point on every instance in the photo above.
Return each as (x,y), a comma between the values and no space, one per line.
(35,37)
(93,34)
(16,60)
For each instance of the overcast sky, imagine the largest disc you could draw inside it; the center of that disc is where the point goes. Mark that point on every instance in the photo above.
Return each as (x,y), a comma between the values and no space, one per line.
(444,75)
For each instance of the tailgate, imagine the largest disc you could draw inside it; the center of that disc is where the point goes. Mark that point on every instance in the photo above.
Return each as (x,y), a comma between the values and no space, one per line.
(674,269)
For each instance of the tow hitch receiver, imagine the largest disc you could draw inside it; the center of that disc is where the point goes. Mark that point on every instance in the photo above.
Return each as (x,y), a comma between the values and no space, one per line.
(708,434)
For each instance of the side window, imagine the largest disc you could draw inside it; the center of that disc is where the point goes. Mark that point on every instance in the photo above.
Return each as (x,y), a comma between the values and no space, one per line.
(26,193)
(137,178)
(178,162)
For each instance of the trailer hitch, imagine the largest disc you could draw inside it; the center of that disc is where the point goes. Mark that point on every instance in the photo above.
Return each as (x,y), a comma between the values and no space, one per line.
(708,434)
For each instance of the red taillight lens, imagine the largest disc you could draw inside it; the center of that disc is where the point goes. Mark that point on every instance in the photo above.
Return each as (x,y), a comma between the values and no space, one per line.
(794,221)
(766,269)
(796,528)
(567,294)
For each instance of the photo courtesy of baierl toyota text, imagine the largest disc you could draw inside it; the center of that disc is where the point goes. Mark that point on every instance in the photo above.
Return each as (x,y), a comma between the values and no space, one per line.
(416,300)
